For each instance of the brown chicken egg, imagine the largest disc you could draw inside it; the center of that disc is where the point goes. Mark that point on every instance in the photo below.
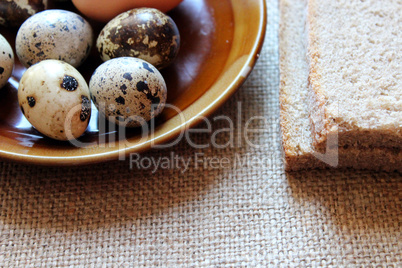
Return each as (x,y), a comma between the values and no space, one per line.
(144,33)
(105,10)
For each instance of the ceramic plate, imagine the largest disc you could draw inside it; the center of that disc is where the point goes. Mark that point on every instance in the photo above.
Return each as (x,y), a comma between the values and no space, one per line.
(220,45)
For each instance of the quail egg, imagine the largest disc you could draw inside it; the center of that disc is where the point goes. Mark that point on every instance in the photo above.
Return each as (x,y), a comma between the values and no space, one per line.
(55,99)
(145,33)
(15,12)
(54,34)
(6,61)
(128,91)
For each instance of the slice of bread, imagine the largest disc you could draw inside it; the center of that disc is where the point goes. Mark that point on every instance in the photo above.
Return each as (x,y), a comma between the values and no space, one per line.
(354,51)
(295,124)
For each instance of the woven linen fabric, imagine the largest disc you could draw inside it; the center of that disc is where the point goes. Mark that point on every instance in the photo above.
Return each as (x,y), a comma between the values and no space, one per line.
(245,213)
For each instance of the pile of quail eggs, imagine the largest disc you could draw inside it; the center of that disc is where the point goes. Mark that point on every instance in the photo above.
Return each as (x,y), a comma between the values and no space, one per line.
(127,88)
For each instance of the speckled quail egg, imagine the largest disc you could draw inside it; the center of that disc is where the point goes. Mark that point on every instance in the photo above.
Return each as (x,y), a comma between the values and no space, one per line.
(55,99)
(15,12)
(6,61)
(145,33)
(128,91)
(54,34)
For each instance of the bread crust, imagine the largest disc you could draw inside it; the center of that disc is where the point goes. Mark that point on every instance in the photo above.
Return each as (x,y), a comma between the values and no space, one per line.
(376,159)
(319,118)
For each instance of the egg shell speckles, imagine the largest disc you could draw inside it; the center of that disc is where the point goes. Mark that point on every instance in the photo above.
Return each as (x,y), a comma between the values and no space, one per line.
(145,33)
(15,12)
(54,34)
(55,99)
(6,61)
(128,91)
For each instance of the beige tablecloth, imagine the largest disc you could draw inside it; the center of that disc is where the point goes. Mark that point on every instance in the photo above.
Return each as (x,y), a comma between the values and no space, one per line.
(247,213)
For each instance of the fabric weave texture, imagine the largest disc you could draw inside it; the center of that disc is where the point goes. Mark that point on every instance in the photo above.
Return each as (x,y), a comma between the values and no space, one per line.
(246,215)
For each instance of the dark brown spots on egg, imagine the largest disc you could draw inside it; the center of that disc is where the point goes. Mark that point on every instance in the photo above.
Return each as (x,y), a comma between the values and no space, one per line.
(40,54)
(142,86)
(69,83)
(146,67)
(37,45)
(155,100)
(123,89)
(80,18)
(31,101)
(101,49)
(120,100)
(85,108)
(1,70)
(22,110)
(128,76)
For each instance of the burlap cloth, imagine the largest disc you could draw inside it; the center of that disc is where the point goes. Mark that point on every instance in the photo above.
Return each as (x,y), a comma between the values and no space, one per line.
(247,214)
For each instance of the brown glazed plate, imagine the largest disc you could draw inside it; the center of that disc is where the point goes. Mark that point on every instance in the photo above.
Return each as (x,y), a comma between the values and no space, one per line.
(221,41)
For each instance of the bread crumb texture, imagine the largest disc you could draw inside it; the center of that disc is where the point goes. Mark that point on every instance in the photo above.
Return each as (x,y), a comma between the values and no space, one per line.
(354,49)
